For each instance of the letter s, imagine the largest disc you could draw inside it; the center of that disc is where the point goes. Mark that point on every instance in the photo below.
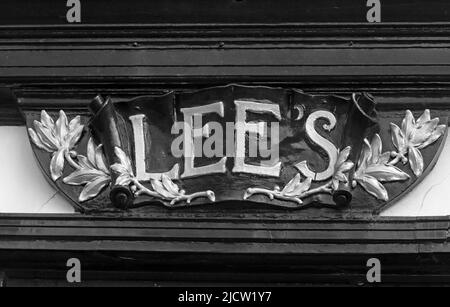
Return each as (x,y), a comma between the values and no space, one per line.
(329,147)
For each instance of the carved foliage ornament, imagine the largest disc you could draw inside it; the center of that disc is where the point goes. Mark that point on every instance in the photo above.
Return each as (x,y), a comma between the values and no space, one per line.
(234,143)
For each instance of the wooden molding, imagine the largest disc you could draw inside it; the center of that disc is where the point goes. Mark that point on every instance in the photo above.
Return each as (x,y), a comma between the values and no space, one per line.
(164,251)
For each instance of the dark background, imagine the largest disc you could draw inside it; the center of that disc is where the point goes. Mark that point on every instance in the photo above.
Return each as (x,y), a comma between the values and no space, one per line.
(227,11)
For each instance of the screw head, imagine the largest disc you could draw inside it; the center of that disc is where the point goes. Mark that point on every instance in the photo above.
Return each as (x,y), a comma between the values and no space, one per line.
(121,197)
(342,198)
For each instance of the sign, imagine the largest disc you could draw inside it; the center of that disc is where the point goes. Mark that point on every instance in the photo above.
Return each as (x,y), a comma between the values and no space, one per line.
(272,146)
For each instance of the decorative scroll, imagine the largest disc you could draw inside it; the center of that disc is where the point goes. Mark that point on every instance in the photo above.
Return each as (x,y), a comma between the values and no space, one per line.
(272,146)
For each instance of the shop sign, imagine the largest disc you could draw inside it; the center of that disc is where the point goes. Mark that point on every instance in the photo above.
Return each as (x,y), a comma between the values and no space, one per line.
(272,146)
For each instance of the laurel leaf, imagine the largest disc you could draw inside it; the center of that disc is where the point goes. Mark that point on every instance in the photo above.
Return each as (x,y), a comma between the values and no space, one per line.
(373,187)
(291,185)
(57,164)
(83,176)
(424,117)
(386,173)
(376,147)
(408,124)
(366,154)
(123,180)
(37,141)
(75,123)
(343,155)
(74,136)
(84,162)
(169,185)
(159,188)
(415,161)
(46,136)
(62,126)
(92,189)
(437,133)
(46,120)
(398,138)
(301,188)
(346,166)
(422,133)
(119,169)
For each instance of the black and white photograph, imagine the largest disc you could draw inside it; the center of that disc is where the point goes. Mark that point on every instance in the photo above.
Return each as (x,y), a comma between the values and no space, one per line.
(224,150)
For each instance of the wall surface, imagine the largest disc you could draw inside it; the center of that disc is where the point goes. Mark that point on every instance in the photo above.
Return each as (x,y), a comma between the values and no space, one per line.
(24,187)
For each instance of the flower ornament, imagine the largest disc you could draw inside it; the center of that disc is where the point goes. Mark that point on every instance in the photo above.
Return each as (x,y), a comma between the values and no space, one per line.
(374,168)
(413,136)
(56,138)
(162,188)
(91,172)
(341,167)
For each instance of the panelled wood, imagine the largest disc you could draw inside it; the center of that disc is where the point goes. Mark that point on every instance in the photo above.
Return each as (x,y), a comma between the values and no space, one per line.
(380,235)
(412,251)
(294,64)
(404,65)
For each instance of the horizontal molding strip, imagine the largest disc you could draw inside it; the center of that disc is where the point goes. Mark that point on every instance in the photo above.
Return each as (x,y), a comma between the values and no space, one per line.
(381,235)
(246,33)
(226,58)
(227,74)
(238,36)
(241,65)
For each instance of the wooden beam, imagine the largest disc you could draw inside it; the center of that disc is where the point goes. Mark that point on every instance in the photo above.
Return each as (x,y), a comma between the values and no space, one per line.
(215,235)
(229,11)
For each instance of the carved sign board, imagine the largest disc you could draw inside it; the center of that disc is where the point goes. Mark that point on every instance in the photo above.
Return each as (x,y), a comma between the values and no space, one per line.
(273,146)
